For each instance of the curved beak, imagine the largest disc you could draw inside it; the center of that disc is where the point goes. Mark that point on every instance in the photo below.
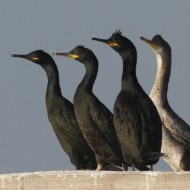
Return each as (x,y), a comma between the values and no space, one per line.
(99,40)
(145,40)
(19,55)
(60,54)
(150,43)
(70,55)
(112,44)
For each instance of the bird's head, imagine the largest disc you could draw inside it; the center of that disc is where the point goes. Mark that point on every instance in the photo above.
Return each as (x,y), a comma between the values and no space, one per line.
(157,44)
(79,53)
(38,56)
(119,43)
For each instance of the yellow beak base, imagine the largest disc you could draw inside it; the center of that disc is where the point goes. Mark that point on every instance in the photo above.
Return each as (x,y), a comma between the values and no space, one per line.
(73,56)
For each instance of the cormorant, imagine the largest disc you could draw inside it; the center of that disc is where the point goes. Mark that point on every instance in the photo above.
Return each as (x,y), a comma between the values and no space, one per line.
(94,118)
(61,114)
(136,120)
(176,138)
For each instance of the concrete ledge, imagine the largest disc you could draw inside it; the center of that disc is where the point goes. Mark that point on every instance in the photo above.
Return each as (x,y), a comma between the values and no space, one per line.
(92,180)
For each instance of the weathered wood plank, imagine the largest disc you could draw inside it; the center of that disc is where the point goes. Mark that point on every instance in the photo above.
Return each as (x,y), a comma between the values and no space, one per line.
(92,180)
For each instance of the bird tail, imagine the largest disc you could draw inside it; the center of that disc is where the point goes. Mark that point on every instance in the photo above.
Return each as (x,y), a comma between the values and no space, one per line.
(142,167)
(151,156)
(111,167)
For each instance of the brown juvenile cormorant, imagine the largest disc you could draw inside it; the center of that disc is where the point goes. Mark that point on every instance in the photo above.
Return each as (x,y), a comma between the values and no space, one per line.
(136,120)
(176,138)
(94,119)
(61,114)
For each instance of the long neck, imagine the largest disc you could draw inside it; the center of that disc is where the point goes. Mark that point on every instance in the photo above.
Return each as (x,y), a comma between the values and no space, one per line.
(129,70)
(90,75)
(53,87)
(159,90)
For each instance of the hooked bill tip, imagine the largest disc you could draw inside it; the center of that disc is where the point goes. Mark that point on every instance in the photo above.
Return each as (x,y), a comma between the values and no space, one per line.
(93,38)
(54,53)
(142,38)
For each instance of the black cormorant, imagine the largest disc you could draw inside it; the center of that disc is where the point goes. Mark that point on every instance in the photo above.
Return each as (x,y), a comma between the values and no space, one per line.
(94,119)
(136,120)
(61,114)
(176,132)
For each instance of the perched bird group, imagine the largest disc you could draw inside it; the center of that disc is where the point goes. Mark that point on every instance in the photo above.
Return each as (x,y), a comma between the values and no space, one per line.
(141,129)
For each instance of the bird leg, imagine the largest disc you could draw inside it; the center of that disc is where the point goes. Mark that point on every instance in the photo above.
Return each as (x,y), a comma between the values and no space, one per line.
(125,167)
(99,167)
(133,167)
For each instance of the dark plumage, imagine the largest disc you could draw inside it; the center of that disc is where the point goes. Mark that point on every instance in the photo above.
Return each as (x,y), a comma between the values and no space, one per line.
(94,119)
(175,130)
(136,120)
(61,114)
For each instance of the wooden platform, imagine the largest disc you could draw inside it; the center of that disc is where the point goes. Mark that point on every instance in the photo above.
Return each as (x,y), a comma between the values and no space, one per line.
(92,180)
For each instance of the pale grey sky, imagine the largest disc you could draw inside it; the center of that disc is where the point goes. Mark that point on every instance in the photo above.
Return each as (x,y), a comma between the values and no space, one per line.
(27,141)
